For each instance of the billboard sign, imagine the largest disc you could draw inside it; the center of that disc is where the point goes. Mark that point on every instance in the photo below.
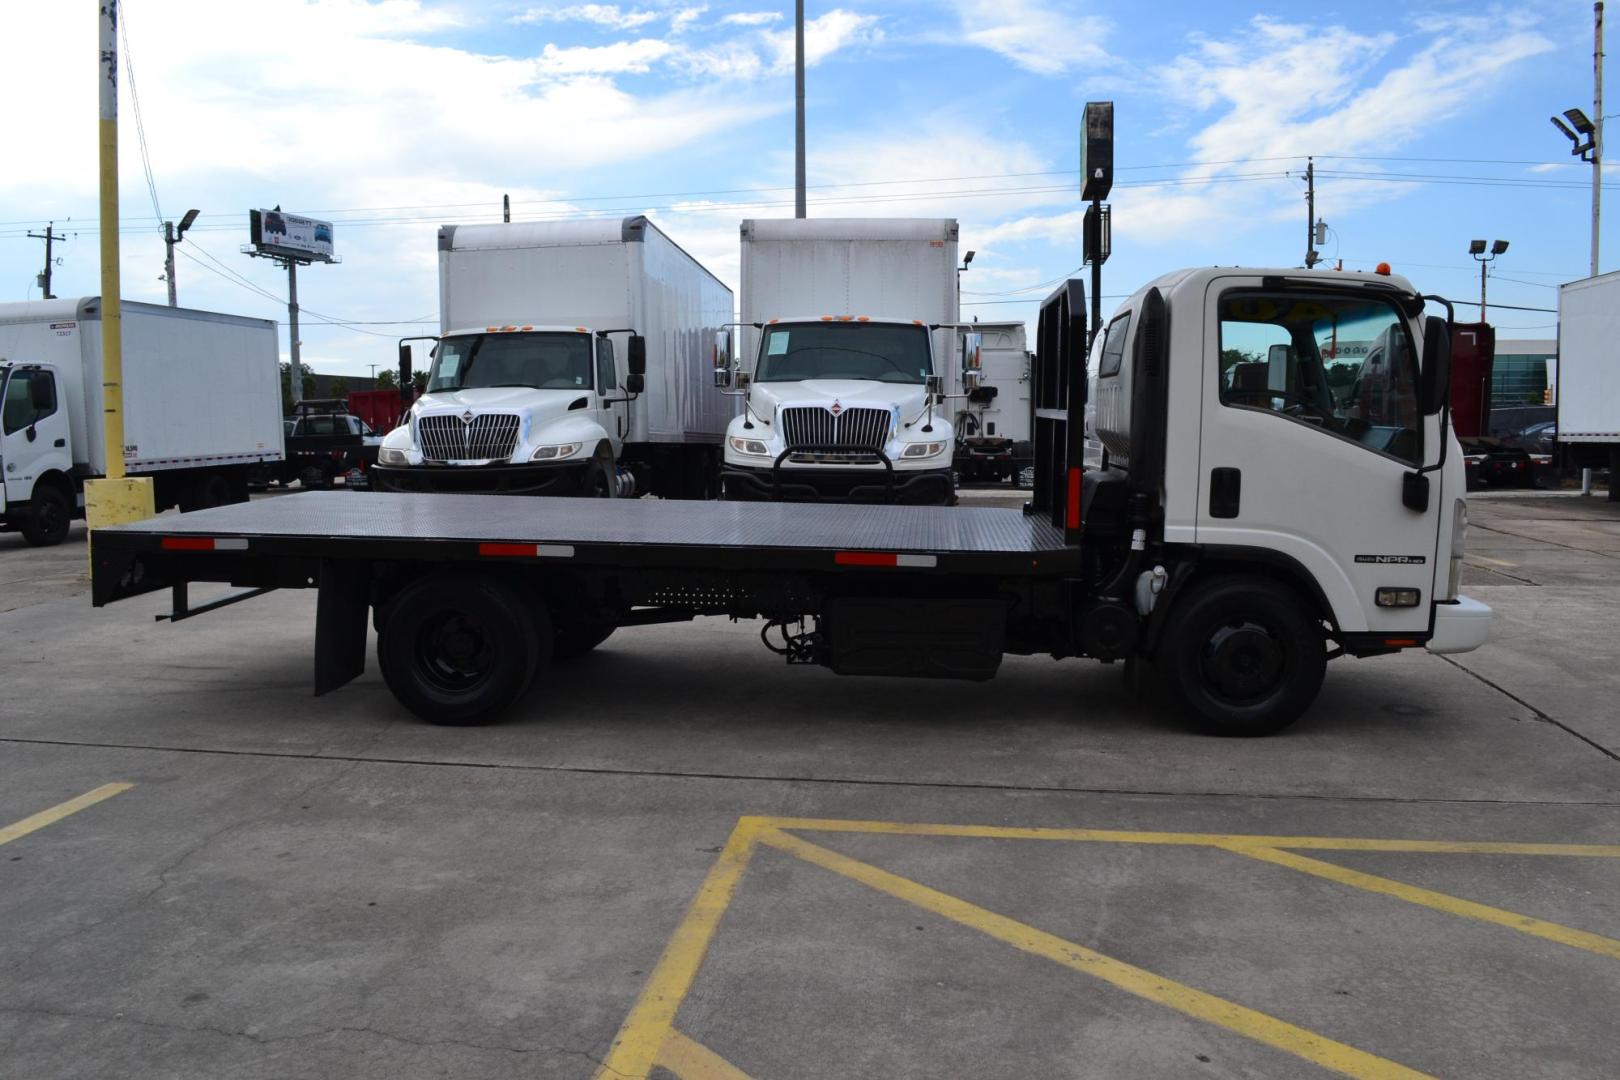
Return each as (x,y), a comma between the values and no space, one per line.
(289,236)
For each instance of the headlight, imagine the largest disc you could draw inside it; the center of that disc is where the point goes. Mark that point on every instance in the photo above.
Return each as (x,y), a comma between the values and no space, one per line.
(749,446)
(554,453)
(390,456)
(1459,541)
(917,450)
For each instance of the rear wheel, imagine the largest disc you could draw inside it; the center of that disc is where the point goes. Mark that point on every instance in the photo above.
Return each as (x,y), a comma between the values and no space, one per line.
(460,648)
(207,491)
(1244,655)
(48,516)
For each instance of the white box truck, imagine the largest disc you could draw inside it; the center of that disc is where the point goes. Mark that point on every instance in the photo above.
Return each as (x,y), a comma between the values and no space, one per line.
(846,355)
(1588,374)
(993,422)
(573,359)
(202,407)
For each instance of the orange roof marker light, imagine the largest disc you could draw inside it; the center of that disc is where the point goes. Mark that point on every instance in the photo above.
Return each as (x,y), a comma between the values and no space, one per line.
(1382,268)
(845,318)
(773,322)
(507,329)
(581,330)
(863,318)
(526,328)
(826,318)
(492,329)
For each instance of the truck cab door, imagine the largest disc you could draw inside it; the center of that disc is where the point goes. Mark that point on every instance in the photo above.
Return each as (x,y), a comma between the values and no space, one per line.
(34,436)
(1311,422)
(612,411)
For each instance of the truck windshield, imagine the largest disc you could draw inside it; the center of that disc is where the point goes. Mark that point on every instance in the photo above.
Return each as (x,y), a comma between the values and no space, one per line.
(880,352)
(545,361)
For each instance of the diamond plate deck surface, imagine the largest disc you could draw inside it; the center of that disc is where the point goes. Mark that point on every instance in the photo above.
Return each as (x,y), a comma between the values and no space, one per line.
(380,515)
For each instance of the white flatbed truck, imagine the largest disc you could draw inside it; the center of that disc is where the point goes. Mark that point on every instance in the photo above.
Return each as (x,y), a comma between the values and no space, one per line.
(1243,530)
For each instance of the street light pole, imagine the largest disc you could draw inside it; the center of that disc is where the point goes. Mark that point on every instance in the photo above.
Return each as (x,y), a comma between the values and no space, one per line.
(1597,127)
(1476,248)
(798,106)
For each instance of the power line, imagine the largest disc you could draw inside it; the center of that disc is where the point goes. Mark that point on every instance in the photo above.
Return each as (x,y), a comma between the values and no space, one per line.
(140,125)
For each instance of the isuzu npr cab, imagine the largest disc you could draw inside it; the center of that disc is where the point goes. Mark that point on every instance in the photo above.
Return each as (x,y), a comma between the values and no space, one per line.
(846,357)
(1247,526)
(573,360)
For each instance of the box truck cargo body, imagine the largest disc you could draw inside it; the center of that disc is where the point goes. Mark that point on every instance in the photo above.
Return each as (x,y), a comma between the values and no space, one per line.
(560,315)
(845,348)
(202,406)
(993,423)
(1588,375)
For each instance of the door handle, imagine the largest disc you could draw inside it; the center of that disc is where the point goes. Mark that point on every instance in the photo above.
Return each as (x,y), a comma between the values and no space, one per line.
(1225,492)
(59,443)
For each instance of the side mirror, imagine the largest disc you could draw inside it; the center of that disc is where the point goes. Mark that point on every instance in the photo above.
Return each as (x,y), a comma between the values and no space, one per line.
(722,377)
(722,348)
(404,356)
(972,350)
(1434,381)
(744,380)
(636,356)
(635,382)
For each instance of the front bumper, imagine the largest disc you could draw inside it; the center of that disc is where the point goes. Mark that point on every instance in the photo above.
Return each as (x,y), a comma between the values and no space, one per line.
(566,479)
(1460,625)
(932,487)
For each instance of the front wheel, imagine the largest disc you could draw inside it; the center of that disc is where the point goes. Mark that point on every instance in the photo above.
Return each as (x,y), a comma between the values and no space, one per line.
(1243,655)
(459,648)
(47,522)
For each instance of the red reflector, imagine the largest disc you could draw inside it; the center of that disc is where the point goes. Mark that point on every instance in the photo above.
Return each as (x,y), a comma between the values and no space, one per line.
(522,551)
(188,543)
(866,558)
(1400,642)
(1072,516)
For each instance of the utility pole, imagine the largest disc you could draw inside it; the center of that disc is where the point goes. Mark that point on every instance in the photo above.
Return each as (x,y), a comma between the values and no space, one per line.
(798,100)
(1311,257)
(1597,122)
(172,236)
(49,236)
(116,499)
(506,209)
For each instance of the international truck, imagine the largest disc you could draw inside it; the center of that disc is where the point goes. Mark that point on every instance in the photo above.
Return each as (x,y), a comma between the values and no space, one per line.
(573,359)
(1246,527)
(845,362)
(202,407)
(993,421)
(1588,374)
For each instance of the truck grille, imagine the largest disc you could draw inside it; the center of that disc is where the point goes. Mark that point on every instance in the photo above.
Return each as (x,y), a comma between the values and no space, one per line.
(488,436)
(854,429)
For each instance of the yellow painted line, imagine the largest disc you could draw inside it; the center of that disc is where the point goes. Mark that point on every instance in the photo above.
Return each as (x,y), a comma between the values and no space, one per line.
(1488,559)
(38,821)
(1114,836)
(691,1060)
(1249,1023)
(1451,905)
(652,1018)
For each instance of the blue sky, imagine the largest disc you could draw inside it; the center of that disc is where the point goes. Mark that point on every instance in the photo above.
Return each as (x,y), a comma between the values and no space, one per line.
(1428,123)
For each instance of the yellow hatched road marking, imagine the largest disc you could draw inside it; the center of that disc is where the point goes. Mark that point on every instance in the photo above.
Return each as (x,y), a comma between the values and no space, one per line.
(651,1020)
(1249,1023)
(35,822)
(1116,836)
(691,1060)
(1451,905)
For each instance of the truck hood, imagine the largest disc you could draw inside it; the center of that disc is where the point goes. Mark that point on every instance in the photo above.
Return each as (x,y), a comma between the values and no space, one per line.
(908,398)
(518,399)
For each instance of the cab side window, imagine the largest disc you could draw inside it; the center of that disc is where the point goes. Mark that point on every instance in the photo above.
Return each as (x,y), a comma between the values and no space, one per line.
(1113,354)
(30,398)
(1344,364)
(606,377)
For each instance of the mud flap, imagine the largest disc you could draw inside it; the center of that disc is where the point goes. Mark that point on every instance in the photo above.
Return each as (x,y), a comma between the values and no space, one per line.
(340,623)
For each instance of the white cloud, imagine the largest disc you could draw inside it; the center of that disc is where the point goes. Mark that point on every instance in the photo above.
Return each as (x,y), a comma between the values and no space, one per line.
(751,18)
(823,36)
(1033,35)
(621,57)
(609,15)
(682,19)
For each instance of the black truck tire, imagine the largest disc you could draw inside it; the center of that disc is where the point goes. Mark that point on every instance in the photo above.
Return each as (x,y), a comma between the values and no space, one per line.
(206,492)
(49,514)
(580,638)
(1244,656)
(458,648)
